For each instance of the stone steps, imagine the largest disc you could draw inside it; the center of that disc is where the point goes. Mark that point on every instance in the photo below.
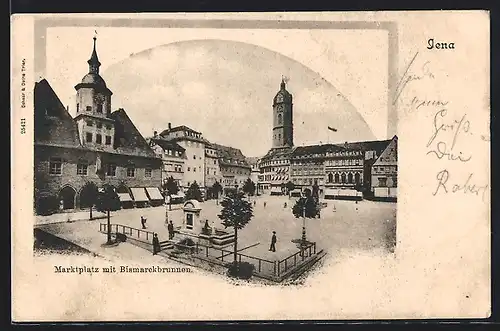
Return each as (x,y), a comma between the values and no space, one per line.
(166,245)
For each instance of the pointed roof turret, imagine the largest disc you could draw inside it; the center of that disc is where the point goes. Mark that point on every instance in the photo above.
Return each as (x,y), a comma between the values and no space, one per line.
(92,78)
(283,95)
(93,62)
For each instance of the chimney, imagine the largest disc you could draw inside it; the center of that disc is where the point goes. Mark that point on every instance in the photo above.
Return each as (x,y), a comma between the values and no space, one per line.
(169,125)
(155,134)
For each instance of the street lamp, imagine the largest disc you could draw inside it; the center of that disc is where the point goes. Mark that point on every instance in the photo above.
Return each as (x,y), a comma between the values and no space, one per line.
(304,240)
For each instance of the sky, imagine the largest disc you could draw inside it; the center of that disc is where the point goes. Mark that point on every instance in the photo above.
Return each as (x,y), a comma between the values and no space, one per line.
(222,81)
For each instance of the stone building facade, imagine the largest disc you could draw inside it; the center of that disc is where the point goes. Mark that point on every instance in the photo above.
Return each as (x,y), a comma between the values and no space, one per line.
(338,169)
(212,167)
(384,172)
(173,158)
(234,168)
(76,156)
(193,144)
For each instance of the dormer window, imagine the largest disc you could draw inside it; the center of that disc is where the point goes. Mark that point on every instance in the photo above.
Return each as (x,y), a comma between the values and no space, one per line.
(89,108)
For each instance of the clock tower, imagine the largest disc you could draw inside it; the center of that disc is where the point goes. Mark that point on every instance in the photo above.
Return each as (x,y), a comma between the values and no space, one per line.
(282,118)
(93,108)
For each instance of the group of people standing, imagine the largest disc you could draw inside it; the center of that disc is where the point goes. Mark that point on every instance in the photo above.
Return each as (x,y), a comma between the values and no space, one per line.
(156,241)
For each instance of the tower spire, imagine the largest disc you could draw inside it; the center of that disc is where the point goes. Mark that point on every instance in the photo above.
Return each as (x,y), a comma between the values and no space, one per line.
(93,62)
(283,83)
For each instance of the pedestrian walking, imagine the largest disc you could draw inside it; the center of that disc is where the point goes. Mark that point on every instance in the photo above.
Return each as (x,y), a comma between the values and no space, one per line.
(156,244)
(143,222)
(284,206)
(272,248)
(264,204)
(170,228)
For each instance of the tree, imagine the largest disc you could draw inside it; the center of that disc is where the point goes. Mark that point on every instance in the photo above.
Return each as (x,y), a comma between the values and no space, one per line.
(290,186)
(171,188)
(236,213)
(315,191)
(249,187)
(305,207)
(217,189)
(194,192)
(108,200)
(88,196)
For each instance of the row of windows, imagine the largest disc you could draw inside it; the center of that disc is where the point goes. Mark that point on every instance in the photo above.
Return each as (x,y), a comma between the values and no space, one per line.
(235,171)
(194,144)
(55,168)
(307,172)
(172,167)
(194,169)
(169,152)
(273,162)
(98,138)
(344,162)
(382,182)
(97,124)
(385,169)
(343,178)
(192,134)
(89,108)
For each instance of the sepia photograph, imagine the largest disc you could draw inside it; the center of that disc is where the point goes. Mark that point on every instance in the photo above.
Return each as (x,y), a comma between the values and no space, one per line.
(239,154)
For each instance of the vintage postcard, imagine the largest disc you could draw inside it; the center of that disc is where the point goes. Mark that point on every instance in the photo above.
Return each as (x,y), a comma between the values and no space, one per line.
(250,166)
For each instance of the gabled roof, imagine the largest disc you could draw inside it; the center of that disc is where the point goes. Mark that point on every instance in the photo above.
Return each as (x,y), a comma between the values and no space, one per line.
(252,160)
(168,144)
(178,128)
(53,123)
(390,153)
(128,140)
(230,155)
(374,145)
(278,153)
(315,149)
(54,126)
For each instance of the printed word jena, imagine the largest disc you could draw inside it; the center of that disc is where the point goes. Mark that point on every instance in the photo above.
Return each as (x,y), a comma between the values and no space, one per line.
(439,45)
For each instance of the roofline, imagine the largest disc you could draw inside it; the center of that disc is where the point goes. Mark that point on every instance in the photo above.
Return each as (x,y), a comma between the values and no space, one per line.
(93,85)
(93,116)
(84,149)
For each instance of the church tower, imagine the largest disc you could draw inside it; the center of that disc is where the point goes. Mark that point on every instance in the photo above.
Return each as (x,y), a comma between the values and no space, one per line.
(282,118)
(93,108)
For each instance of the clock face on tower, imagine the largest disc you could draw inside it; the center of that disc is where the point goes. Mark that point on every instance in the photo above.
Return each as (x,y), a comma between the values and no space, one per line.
(279,98)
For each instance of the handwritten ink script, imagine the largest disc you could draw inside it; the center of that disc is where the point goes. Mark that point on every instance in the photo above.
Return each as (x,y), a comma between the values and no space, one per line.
(451,130)
(437,144)
(416,73)
(465,187)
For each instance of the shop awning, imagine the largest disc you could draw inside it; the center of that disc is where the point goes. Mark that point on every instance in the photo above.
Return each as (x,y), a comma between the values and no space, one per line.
(331,192)
(154,193)
(124,197)
(139,194)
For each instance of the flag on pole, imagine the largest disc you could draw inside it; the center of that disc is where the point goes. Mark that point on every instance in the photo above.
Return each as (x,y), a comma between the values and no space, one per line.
(332,129)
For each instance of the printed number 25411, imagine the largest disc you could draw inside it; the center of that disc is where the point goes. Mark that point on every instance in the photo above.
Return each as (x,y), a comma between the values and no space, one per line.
(23,125)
